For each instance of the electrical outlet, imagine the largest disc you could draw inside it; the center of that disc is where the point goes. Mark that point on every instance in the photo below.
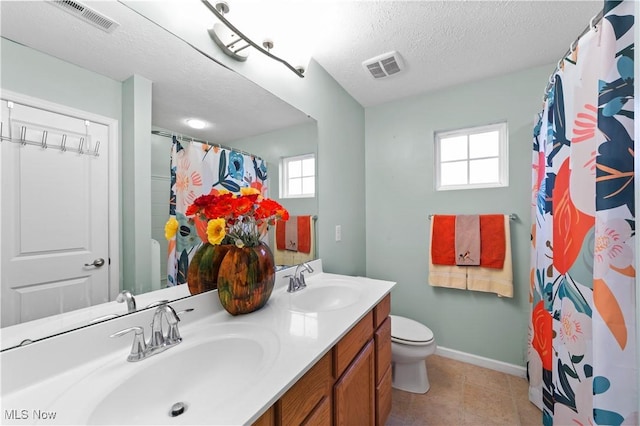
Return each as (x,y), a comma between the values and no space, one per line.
(338,233)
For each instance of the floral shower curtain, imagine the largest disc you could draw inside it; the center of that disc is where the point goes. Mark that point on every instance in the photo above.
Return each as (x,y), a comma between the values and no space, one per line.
(198,169)
(581,361)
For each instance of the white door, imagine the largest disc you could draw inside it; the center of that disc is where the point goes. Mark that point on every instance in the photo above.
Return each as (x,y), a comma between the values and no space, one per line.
(54,213)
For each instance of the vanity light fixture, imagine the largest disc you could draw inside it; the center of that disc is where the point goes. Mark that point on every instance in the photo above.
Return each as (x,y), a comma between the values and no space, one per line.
(234,43)
(196,124)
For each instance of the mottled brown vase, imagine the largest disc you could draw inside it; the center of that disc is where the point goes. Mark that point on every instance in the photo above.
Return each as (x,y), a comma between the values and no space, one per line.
(245,279)
(202,274)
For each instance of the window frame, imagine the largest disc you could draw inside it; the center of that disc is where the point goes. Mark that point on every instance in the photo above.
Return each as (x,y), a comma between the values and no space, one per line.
(284,175)
(503,155)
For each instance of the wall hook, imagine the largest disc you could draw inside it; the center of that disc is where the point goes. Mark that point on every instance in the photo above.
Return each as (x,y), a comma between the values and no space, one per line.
(23,135)
(80,147)
(44,139)
(95,151)
(63,145)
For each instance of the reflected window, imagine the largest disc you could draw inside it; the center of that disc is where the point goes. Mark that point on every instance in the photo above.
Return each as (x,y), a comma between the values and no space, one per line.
(298,176)
(474,157)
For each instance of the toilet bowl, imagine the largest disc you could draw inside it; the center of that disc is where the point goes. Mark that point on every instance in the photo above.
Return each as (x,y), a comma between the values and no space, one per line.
(411,344)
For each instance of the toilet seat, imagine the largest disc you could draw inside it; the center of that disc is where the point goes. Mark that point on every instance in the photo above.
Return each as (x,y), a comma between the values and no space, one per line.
(409,332)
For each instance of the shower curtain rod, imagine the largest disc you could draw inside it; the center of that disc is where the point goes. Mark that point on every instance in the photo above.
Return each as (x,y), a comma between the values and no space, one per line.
(190,139)
(592,25)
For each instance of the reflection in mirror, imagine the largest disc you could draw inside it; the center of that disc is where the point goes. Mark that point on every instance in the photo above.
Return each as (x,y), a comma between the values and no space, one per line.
(87,69)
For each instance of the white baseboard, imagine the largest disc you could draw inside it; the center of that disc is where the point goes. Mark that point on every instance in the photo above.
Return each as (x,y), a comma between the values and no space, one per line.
(503,367)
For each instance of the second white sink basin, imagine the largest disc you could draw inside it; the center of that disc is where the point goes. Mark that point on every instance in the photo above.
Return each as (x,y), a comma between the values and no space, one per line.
(325,295)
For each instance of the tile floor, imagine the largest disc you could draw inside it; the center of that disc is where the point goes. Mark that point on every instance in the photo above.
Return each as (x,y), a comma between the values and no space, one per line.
(465,394)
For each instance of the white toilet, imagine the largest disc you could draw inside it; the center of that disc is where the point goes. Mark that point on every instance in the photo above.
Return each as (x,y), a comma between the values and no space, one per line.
(411,344)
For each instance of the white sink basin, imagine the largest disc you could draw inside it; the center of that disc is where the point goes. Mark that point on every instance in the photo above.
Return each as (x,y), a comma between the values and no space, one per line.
(202,374)
(323,295)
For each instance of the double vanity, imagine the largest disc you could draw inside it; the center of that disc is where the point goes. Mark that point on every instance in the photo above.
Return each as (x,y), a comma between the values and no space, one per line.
(320,355)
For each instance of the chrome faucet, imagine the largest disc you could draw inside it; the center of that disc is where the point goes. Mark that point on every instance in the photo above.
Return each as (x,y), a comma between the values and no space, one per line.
(158,341)
(126,296)
(296,281)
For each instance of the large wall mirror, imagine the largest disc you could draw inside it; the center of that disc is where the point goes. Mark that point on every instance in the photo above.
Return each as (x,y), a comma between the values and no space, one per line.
(44,48)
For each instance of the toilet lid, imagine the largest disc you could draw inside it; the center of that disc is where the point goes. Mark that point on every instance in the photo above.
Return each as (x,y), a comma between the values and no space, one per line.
(409,331)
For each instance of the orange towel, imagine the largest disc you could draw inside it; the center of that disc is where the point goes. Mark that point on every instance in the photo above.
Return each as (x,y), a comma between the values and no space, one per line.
(492,241)
(304,234)
(280,237)
(443,249)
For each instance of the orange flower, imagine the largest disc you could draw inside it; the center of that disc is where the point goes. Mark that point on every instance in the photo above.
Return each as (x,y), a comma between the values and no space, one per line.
(243,218)
(542,334)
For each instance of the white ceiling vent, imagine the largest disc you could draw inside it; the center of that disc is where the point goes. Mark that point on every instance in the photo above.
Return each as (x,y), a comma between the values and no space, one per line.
(384,65)
(87,14)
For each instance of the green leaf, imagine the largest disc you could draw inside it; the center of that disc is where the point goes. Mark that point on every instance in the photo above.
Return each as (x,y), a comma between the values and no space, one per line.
(222,167)
(600,385)
(569,371)
(183,266)
(576,358)
(230,185)
(569,290)
(606,417)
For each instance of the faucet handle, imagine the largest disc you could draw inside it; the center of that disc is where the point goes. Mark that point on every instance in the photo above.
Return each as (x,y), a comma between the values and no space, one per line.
(139,347)
(173,334)
(293,283)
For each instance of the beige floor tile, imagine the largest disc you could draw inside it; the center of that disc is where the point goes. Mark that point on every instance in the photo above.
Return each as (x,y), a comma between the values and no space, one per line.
(487,378)
(447,365)
(465,394)
(529,414)
(473,419)
(435,410)
(519,386)
(490,404)
(401,404)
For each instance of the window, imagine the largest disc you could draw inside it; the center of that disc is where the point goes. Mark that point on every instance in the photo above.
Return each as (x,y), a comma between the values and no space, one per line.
(474,157)
(298,176)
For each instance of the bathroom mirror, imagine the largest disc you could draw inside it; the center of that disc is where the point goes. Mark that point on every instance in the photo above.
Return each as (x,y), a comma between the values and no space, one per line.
(185,84)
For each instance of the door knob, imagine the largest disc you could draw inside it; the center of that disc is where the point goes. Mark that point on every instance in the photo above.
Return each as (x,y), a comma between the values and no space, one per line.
(97,263)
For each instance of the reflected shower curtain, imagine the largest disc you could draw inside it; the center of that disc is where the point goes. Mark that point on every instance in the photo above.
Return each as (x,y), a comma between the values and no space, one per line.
(198,169)
(581,360)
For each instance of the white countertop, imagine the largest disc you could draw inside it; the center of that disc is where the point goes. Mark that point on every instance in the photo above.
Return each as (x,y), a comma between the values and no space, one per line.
(61,376)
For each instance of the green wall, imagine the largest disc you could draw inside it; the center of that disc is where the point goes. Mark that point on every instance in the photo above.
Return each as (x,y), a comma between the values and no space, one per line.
(29,72)
(273,146)
(400,196)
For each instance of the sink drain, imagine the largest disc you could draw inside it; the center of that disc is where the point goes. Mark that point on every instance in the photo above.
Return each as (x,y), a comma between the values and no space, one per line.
(177,409)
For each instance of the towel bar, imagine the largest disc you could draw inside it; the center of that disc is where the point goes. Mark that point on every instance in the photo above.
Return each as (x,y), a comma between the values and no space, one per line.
(512,216)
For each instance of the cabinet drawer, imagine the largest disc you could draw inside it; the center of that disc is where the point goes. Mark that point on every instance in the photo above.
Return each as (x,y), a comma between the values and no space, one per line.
(350,345)
(300,400)
(382,311)
(383,398)
(383,348)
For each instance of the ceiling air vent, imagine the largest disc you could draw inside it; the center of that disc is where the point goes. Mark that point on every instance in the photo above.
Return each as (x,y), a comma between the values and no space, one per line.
(384,65)
(87,14)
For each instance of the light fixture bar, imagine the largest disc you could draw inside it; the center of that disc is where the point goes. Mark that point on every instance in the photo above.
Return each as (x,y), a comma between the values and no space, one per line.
(248,40)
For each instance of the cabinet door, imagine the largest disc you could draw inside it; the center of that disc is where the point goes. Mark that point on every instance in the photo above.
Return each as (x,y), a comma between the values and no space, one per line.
(354,392)
(303,397)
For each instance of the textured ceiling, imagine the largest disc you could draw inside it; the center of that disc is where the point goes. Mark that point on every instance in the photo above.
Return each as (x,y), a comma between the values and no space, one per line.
(442,43)
(185,83)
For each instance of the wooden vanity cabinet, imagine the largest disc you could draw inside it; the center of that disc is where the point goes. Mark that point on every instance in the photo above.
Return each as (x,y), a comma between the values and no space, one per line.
(350,385)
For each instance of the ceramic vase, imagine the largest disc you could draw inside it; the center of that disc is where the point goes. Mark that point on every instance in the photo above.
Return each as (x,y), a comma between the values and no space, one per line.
(245,278)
